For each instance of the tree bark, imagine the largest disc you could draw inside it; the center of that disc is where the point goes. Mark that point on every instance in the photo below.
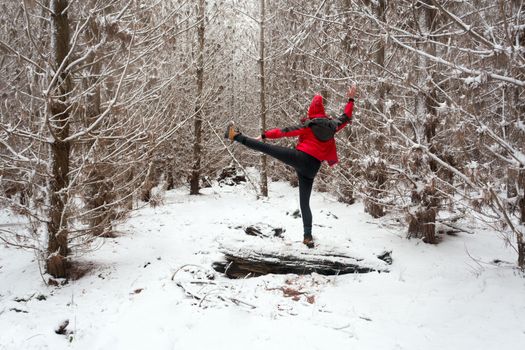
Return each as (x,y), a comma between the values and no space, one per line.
(375,173)
(253,260)
(376,178)
(197,142)
(56,264)
(521,250)
(422,223)
(99,189)
(520,192)
(262,98)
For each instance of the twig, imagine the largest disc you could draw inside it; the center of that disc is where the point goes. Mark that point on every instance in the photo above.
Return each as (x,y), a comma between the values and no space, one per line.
(179,284)
(183,266)
(237,302)
(38,259)
(456,227)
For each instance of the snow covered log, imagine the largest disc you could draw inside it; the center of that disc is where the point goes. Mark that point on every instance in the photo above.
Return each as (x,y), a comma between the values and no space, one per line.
(255,258)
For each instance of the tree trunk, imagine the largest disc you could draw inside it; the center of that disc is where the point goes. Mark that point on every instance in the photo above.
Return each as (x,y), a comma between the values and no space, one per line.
(421,101)
(380,54)
(422,224)
(99,189)
(150,181)
(99,195)
(521,193)
(375,173)
(57,249)
(521,250)
(521,207)
(168,171)
(376,177)
(262,99)
(197,142)
(512,189)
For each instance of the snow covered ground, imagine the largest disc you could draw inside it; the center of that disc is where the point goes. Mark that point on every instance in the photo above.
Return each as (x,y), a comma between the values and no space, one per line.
(446,296)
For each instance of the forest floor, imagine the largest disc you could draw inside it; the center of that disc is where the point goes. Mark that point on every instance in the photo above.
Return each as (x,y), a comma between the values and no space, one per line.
(463,293)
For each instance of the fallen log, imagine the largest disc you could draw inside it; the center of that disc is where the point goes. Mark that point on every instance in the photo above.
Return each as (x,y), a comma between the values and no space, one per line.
(251,258)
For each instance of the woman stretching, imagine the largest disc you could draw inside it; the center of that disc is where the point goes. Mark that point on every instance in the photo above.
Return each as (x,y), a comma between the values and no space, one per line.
(316,144)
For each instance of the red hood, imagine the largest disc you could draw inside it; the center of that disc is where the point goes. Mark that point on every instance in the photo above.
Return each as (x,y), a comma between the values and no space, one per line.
(316,109)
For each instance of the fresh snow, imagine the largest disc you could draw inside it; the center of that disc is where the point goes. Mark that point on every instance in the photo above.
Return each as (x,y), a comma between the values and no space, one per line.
(446,296)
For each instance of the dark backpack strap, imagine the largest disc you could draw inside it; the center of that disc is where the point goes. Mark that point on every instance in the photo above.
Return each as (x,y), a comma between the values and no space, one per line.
(323,129)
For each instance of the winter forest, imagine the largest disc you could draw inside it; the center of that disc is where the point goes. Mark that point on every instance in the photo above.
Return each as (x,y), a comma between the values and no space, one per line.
(107,107)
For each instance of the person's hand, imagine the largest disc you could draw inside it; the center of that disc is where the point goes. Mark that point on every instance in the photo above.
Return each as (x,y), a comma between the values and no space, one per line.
(259,138)
(351,91)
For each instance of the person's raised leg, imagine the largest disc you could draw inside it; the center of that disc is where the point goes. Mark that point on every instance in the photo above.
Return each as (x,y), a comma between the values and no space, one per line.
(286,155)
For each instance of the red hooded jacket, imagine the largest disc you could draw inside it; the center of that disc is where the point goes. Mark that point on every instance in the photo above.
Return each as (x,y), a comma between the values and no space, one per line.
(308,143)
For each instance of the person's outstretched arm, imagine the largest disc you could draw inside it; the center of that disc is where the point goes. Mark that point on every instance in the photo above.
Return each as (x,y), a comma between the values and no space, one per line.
(346,117)
(291,131)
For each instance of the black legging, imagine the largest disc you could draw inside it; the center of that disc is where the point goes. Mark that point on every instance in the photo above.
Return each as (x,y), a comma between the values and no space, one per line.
(304,164)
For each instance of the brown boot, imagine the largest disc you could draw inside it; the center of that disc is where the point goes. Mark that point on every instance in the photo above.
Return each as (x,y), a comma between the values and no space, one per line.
(309,242)
(231,132)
